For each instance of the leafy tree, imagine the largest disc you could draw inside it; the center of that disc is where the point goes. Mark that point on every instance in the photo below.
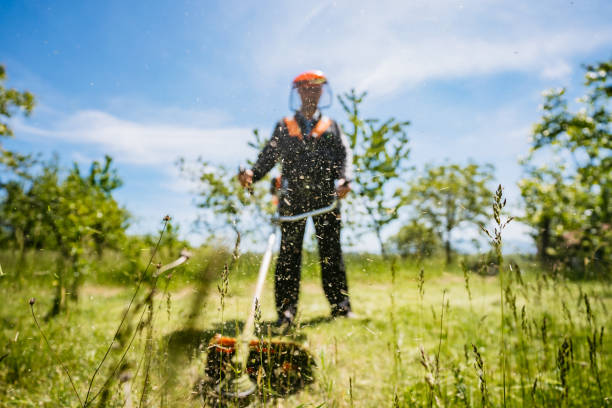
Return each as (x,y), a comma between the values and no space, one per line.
(416,239)
(12,101)
(75,215)
(380,153)
(225,205)
(450,195)
(568,200)
(380,157)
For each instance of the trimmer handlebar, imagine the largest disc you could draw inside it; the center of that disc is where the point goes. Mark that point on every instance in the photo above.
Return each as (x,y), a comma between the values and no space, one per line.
(277,219)
(298,217)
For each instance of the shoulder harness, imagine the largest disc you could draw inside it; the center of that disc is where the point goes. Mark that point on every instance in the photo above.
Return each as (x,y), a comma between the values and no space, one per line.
(294,129)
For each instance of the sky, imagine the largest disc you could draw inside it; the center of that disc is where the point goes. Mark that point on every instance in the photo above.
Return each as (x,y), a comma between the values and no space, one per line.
(149,82)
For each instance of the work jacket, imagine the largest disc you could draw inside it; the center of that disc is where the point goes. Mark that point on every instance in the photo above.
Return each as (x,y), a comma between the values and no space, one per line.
(313,155)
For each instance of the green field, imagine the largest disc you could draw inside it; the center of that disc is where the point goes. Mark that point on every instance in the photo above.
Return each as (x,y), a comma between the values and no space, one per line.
(412,344)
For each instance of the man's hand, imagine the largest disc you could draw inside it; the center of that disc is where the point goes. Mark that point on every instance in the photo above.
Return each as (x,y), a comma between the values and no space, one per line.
(343,188)
(246,178)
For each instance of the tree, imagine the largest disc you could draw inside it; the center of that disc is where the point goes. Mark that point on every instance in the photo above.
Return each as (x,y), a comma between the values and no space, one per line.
(12,101)
(75,215)
(380,157)
(449,195)
(225,204)
(568,201)
(380,154)
(416,239)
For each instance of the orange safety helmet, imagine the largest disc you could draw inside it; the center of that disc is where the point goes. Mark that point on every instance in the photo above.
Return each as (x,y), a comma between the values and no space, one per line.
(312,77)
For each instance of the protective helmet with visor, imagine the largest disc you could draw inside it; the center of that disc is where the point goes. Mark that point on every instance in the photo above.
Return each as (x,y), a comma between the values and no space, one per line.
(314,78)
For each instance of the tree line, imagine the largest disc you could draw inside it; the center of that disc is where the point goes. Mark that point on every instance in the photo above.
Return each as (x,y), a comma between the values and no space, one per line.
(566,201)
(44,206)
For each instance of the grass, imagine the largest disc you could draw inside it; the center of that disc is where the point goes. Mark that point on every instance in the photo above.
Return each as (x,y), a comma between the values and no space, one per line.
(419,340)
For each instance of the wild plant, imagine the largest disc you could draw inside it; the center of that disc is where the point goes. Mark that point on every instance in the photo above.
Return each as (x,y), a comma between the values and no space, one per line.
(222,289)
(518,274)
(466,279)
(437,371)
(563,365)
(328,382)
(539,286)
(262,375)
(421,283)
(496,239)
(166,221)
(147,307)
(397,359)
(162,352)
(589,311)
(430,378)
(167,367)
(567,313)
(580,297)
(270,367)
(482,380)
(533,392)
(593,351)
(148,349)
(421,289)
(461,389)
(55,357)
(396,401)
(511,301)
(525,322)
(351,392)
(125,333)
(523,362)
(335,360)
(544,338)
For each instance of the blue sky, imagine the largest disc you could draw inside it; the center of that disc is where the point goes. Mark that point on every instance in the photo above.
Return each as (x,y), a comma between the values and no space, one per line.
(147,82)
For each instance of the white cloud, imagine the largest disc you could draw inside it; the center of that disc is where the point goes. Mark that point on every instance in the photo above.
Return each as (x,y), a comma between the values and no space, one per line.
(389,46)
(146,143)
(149,144)
(559,70)
(141,110)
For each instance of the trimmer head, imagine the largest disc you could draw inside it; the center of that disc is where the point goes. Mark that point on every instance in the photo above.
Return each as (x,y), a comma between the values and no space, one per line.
(273,367)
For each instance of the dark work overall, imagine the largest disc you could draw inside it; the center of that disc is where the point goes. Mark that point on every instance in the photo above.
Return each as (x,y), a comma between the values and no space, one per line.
(313,154)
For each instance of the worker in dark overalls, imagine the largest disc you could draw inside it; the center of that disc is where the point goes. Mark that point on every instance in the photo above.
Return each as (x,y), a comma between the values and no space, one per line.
(316,170)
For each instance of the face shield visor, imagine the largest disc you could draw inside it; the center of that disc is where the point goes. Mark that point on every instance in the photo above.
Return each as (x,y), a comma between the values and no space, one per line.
(310,90)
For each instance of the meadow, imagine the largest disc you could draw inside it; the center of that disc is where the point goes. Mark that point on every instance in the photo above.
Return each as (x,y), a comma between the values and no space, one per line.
(425,335)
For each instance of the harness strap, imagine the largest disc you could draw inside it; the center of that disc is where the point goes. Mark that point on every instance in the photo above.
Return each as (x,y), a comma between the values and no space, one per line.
(294,129)
(321,126)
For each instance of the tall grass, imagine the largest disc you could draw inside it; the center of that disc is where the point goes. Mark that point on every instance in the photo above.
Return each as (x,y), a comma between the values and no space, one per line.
(555,350)
(496,240)
(359,359)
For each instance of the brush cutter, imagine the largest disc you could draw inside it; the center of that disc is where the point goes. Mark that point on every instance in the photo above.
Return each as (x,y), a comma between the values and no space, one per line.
(237,367)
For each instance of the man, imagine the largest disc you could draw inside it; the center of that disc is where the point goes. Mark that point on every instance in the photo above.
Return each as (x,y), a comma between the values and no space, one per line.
(316,170)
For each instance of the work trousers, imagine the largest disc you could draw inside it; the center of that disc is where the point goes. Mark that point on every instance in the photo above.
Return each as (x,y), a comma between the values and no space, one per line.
(288,266)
